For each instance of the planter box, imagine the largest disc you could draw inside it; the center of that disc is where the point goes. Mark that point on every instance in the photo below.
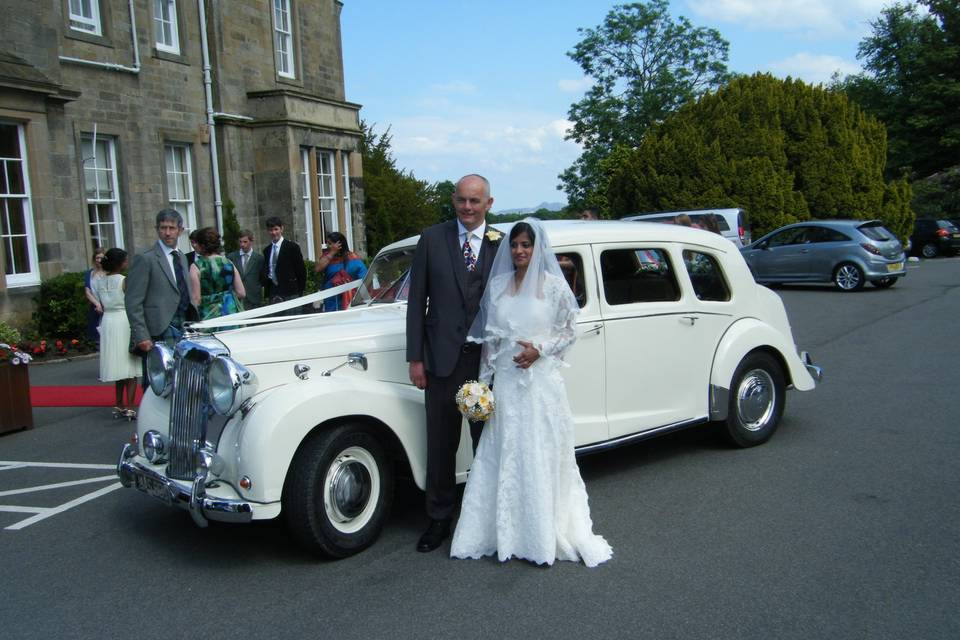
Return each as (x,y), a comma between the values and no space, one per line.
(15,410)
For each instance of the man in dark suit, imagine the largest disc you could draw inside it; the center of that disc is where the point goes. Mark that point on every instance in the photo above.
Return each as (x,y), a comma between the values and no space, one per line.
(249,263)
(157,299)
(283,274)
(449,271)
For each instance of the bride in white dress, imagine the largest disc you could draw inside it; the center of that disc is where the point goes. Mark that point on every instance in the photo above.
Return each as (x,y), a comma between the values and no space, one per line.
(524,497)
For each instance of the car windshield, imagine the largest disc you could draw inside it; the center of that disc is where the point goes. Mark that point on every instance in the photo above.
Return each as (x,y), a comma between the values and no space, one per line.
(387,279)
(875,231)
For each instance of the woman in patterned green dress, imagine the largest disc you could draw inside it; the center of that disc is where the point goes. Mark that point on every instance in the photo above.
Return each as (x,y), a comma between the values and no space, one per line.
(215,287)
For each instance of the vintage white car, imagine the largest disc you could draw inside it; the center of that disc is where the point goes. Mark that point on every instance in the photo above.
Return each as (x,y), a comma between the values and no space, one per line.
(265,420)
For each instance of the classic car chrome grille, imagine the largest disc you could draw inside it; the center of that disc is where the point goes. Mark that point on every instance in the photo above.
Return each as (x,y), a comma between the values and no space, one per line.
(188,413)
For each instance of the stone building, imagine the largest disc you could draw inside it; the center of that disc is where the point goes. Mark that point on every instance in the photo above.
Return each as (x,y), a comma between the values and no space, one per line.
(111,110)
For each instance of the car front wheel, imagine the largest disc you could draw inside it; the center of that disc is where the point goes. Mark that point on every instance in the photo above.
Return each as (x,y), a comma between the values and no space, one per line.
(338,491)
(929,250)
(848,277)
(757,396)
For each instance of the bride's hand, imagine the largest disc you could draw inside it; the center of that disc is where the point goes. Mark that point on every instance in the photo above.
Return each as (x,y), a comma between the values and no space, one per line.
(528,356)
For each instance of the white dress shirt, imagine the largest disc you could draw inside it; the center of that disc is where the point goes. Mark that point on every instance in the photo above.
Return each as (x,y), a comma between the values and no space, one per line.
(168,252)
(476,237)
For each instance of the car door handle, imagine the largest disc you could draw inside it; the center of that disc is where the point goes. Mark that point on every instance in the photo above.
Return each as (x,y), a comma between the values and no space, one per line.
(595,330)
(691,319)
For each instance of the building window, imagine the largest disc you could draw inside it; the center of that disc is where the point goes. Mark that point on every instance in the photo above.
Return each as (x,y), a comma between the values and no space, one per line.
(307,198)
(102,191)
(327,191)
(85,16)
(165,30)
(283,38)
(180,183)
(347,212)
(16,212)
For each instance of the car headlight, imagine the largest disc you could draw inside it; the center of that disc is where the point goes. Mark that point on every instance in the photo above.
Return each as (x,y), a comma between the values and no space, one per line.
(154,447)
(229,383)
(160,369)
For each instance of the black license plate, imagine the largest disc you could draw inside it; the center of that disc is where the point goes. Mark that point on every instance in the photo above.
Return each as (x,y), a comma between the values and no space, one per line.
(153,487)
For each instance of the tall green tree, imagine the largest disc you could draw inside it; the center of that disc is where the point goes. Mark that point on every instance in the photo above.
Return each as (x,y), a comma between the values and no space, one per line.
(644,65)
(397,204)
(781,149)
(912,83)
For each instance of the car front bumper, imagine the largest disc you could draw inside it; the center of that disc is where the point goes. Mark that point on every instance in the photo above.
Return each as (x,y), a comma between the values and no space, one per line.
(135,472)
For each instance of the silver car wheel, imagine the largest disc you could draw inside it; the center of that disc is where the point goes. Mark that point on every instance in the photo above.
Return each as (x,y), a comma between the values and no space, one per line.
(756,399)
(929,250)
(848,277)
(352,478)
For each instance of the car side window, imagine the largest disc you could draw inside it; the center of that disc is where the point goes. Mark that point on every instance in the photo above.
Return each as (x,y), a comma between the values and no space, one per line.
(638,275)
(822,234)
(790,236)
(706,276)
(572,266)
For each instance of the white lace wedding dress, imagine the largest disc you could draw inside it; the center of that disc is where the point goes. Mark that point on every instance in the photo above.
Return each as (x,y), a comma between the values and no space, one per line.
(524,497)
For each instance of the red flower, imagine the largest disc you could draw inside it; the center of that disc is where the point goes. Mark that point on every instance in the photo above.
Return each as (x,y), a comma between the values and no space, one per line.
(37,350)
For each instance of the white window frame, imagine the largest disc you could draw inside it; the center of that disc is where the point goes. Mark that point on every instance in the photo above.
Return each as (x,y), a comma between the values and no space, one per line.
(307,200)
(283,39)
(347,212)
(178,166)
(165,16)
(327,198)
(103,166)
(31,276)
(80,21)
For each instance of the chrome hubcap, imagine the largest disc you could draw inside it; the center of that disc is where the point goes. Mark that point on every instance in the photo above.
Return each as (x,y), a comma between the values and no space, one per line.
(848,277)
(351,481)
(756,399)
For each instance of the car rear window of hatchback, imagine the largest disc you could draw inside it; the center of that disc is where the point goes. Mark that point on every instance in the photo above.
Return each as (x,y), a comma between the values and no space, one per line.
(875,232)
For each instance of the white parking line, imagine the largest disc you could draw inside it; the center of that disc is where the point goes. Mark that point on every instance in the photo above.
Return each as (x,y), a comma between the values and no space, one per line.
(42,513)
(68,505)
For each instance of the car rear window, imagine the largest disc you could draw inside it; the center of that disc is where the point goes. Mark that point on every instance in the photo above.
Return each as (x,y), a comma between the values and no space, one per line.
(875,231)
(706,276)
(638,275)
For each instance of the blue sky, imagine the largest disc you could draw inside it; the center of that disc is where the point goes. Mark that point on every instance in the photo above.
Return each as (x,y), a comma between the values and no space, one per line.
(485,86)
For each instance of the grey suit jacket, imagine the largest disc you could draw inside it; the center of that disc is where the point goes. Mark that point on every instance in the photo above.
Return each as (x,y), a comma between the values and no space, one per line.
(250,275)
(436,332)
(152,295)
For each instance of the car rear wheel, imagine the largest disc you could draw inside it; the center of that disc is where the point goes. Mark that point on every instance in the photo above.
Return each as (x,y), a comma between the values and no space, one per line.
(757,396)
(848,277)
(929,250)
(884,283)
(338,491)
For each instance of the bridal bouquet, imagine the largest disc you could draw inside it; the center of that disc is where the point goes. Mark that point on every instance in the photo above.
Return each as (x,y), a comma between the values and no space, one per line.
(475,401)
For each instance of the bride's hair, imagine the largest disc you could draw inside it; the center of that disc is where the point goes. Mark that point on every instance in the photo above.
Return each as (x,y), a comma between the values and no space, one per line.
(523,227)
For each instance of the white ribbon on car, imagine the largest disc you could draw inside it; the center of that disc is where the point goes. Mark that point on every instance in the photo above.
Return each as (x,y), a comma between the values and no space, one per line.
(256,316)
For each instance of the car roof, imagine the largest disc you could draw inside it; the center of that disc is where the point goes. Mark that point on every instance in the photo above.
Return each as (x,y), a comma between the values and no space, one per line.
(564,233)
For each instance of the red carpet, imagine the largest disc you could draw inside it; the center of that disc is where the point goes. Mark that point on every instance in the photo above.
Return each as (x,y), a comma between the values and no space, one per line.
(87,396)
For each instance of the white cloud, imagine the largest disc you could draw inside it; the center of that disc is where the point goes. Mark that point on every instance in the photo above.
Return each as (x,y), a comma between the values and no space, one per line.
(574,86)
(825,17)
(813,68)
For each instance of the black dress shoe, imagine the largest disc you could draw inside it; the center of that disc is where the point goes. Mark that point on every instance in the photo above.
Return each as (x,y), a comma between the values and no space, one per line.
(433,537)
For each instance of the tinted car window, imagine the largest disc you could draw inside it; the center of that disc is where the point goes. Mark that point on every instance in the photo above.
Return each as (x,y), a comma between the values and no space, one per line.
(790,236)
(572,266)
(706,276)
(637,275)
(823,234)
(875,231)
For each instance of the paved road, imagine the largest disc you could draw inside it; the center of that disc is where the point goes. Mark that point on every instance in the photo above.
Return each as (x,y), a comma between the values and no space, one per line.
(845,525)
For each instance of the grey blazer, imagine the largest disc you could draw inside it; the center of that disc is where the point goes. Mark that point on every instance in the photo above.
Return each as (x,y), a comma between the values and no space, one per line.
(152,295)
(250,275)
(436,332)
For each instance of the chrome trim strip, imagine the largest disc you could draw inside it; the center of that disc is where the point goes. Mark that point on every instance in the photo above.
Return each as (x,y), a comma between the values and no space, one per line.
(201,506)
(637,437)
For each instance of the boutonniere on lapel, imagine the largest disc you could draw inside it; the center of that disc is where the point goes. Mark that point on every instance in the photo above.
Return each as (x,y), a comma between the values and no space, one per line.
(493,235)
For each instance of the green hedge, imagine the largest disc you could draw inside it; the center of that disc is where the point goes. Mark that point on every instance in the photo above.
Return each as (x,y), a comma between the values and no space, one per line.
(61,307)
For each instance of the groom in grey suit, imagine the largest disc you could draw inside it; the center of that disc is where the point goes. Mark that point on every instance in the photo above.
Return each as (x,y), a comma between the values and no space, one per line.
(449,271)
(158,296)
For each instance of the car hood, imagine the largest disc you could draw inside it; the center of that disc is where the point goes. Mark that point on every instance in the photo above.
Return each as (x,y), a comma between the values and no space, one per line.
(366,329)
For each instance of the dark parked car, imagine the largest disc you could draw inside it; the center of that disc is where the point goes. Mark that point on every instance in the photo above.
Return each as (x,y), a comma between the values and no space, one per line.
(845,252)
(932,238)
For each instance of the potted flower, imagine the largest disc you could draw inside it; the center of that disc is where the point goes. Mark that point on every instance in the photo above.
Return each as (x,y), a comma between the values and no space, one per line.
(15,410)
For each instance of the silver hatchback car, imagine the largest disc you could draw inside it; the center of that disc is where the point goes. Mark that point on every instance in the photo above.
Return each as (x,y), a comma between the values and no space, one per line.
(848,253)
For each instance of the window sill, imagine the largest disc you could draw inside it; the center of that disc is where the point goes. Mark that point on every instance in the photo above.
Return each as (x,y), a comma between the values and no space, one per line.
(75,34)
(168,56)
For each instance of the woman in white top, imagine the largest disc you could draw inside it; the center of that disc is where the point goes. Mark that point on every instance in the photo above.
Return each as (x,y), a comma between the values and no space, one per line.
(117,365)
